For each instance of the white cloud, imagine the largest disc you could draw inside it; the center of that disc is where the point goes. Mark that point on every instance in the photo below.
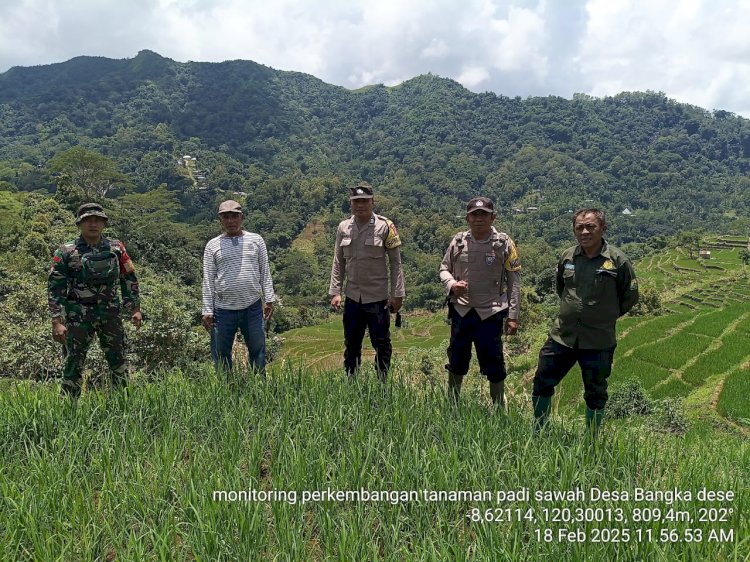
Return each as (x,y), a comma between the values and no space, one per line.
(437,49)
(473,76)
(694,50)
(697,51)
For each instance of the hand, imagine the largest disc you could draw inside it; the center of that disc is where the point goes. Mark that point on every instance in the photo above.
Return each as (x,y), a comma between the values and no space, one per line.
(459,288)
(267,311)
(394,304)
(59,331)
(137,318)
(336,302)
(511,327)
(208,321)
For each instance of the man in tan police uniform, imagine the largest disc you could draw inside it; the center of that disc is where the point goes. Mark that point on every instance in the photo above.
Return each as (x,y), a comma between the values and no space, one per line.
(481,274)
(367,254)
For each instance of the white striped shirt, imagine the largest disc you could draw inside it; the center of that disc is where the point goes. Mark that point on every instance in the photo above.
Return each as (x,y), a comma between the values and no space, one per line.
(235,272)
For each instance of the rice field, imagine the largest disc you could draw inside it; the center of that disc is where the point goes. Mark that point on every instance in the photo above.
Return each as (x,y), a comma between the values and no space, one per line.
(733,401)
(298,466)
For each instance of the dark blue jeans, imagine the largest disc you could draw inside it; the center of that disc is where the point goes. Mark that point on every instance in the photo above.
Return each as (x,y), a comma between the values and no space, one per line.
(250,323)
(555,360)
(375,317)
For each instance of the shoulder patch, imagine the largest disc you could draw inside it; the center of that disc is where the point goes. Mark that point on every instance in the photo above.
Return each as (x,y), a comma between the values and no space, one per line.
(513,261)
(392,239)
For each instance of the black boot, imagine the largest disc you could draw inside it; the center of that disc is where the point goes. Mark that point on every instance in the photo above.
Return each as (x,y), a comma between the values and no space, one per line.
(497,393)
(542,408)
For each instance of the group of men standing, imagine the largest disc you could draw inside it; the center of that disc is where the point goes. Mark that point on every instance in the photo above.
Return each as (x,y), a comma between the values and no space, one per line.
(480,272)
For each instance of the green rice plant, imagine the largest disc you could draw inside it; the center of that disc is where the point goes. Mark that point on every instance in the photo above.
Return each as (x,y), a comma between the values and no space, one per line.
(633,367)
(733,402)
(732,352)
(192,465)
(743,326)
(672,388)
(674,351)
(651,330)
(713,324)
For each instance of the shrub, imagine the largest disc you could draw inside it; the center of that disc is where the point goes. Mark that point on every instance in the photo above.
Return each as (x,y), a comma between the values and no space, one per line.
(629,399)
(649,301)
(669,416)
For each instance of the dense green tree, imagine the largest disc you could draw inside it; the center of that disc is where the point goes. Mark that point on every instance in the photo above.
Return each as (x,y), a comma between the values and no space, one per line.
(81,172)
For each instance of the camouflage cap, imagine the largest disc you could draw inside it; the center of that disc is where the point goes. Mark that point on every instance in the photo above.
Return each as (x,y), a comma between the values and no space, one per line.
(480,204)
(361,191)
(90,210)
(230,207)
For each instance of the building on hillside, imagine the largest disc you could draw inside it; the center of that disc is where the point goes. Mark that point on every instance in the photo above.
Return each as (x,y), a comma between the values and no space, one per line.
(705,254)
(627,211)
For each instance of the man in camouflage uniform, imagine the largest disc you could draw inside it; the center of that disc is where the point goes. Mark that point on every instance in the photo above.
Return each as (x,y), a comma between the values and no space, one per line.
(367,247)
(597,285)
(481,274)
(83,300)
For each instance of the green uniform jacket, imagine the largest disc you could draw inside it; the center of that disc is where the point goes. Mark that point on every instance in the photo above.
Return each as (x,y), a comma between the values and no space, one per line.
(595,292)
(69,285)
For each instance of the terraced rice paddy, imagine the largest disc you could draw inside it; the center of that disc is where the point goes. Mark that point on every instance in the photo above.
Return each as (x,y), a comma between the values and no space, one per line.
(701,346)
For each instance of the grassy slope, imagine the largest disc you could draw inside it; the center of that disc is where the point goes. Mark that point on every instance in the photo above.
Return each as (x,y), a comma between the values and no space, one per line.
(689,352)
(131,477)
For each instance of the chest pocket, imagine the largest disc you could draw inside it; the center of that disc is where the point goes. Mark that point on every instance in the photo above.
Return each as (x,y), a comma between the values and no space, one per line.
(100,269)
(569,278)
(605,284)
(346,247)
(374,247)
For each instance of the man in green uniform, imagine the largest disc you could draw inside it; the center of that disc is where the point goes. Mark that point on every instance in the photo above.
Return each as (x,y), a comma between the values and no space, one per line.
(597,285)
(83,300)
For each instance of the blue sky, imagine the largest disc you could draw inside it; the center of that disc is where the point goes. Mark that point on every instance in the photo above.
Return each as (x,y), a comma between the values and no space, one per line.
(695,51)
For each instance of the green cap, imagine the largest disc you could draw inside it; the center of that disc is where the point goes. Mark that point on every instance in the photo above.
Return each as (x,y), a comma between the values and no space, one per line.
(90,210)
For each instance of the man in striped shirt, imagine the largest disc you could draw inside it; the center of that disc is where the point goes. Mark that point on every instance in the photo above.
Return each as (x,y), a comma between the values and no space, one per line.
(237,289)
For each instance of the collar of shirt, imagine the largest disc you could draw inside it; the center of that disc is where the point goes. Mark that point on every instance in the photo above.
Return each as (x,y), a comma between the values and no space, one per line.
(604,252)
(493,236)
(81,242)
(366,225)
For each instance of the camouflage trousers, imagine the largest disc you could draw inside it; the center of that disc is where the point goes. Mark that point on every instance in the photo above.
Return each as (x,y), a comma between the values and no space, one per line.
(82,324)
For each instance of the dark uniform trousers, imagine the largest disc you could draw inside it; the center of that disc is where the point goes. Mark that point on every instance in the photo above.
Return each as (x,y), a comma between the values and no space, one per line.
(486,335)
(555,360)
(375,317)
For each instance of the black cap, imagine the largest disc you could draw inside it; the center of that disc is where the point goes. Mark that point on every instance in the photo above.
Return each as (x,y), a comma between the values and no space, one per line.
(480,204)
(361,191)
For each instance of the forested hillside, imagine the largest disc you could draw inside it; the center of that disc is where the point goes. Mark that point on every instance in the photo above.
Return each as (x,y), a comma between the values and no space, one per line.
(287,145)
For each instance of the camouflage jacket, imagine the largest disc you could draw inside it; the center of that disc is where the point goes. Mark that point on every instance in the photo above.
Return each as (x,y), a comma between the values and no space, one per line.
(85,275)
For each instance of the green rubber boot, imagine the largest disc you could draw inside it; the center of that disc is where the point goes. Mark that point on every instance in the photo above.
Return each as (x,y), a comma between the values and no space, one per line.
(542,408)
(454,387)
(594,419)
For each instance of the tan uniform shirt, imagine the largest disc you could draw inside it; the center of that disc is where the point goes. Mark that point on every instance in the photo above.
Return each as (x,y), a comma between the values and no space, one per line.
(492,269)
(360,257)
